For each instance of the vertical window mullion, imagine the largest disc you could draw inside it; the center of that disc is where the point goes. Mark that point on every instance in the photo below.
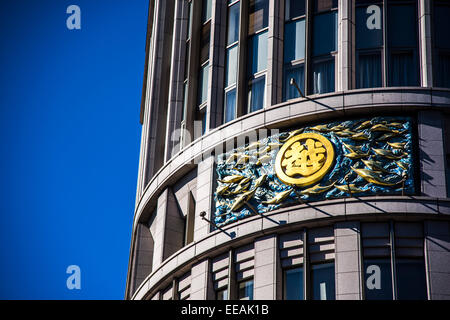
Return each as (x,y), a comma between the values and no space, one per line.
(306,268)
(393,268)
(385,39)
(308,39)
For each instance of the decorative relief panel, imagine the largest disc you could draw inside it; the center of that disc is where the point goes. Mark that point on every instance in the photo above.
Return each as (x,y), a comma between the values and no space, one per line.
(333,160)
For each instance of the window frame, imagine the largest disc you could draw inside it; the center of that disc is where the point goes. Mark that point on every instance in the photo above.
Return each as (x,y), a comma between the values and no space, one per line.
(228,47)
(290,65)
(393,256)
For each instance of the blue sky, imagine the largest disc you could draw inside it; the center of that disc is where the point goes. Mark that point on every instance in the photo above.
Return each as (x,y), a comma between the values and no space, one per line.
(69,145)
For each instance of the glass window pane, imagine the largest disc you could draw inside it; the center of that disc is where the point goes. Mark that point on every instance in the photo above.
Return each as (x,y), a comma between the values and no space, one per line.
(256,94)
(222,294)
(368,74)
(203,122)
(411,281)
(257,53)
(293,284)
(231,71)
(442,25)
(294,40)
(402,26)
(206,10)
(203,84)
(369,27)
(324,33)
(185,99)
(377,279)
(322,282)
(186,60)
(230,105)
(258,15)
(189,22)
(298,73)
(403,69)
(443,70)
(324,5)
(294,8)
(233,23)
(204,44)
(323,76)
(245,291)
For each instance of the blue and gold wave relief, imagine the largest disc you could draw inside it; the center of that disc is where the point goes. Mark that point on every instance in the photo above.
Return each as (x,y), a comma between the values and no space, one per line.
(362,157)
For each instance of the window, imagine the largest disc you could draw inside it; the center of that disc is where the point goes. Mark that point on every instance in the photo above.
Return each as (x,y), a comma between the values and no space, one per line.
(219,271)
(441,55)
(369,43)
(391,62)
(399,276)
(447,151)
(402,43)
(203,73)
(231,63)
(257,53)
(324,45)
(294,48)
(322,281)
(222,294)
(186,72)
(410,276)
(293,280)
(238,284)
(316,272)
(245,290)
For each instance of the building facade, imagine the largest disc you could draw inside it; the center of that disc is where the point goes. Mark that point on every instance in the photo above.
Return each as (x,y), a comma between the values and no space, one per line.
(294,149)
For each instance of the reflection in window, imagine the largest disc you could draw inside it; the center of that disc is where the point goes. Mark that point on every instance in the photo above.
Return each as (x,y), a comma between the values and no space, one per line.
(231,63)
(324,45)
(203,84)
(257,53)
(293,284)
(441,57)
(294,48)
(258,15)
(222,294)
(206,10)
(323,282)
(245,290)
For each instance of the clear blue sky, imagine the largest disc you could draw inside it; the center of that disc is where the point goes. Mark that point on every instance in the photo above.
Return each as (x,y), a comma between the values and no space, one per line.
(69,145)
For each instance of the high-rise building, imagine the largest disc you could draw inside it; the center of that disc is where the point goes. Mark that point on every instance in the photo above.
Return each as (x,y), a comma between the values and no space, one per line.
(294,149)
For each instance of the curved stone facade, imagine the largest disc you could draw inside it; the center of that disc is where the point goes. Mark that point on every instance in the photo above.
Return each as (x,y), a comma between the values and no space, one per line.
(383,234)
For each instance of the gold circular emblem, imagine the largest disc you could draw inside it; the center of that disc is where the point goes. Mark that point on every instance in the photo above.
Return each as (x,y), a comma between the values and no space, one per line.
(304,159)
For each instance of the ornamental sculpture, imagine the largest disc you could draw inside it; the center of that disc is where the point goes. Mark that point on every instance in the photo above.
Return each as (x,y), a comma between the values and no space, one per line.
(360,157)
(304,159)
